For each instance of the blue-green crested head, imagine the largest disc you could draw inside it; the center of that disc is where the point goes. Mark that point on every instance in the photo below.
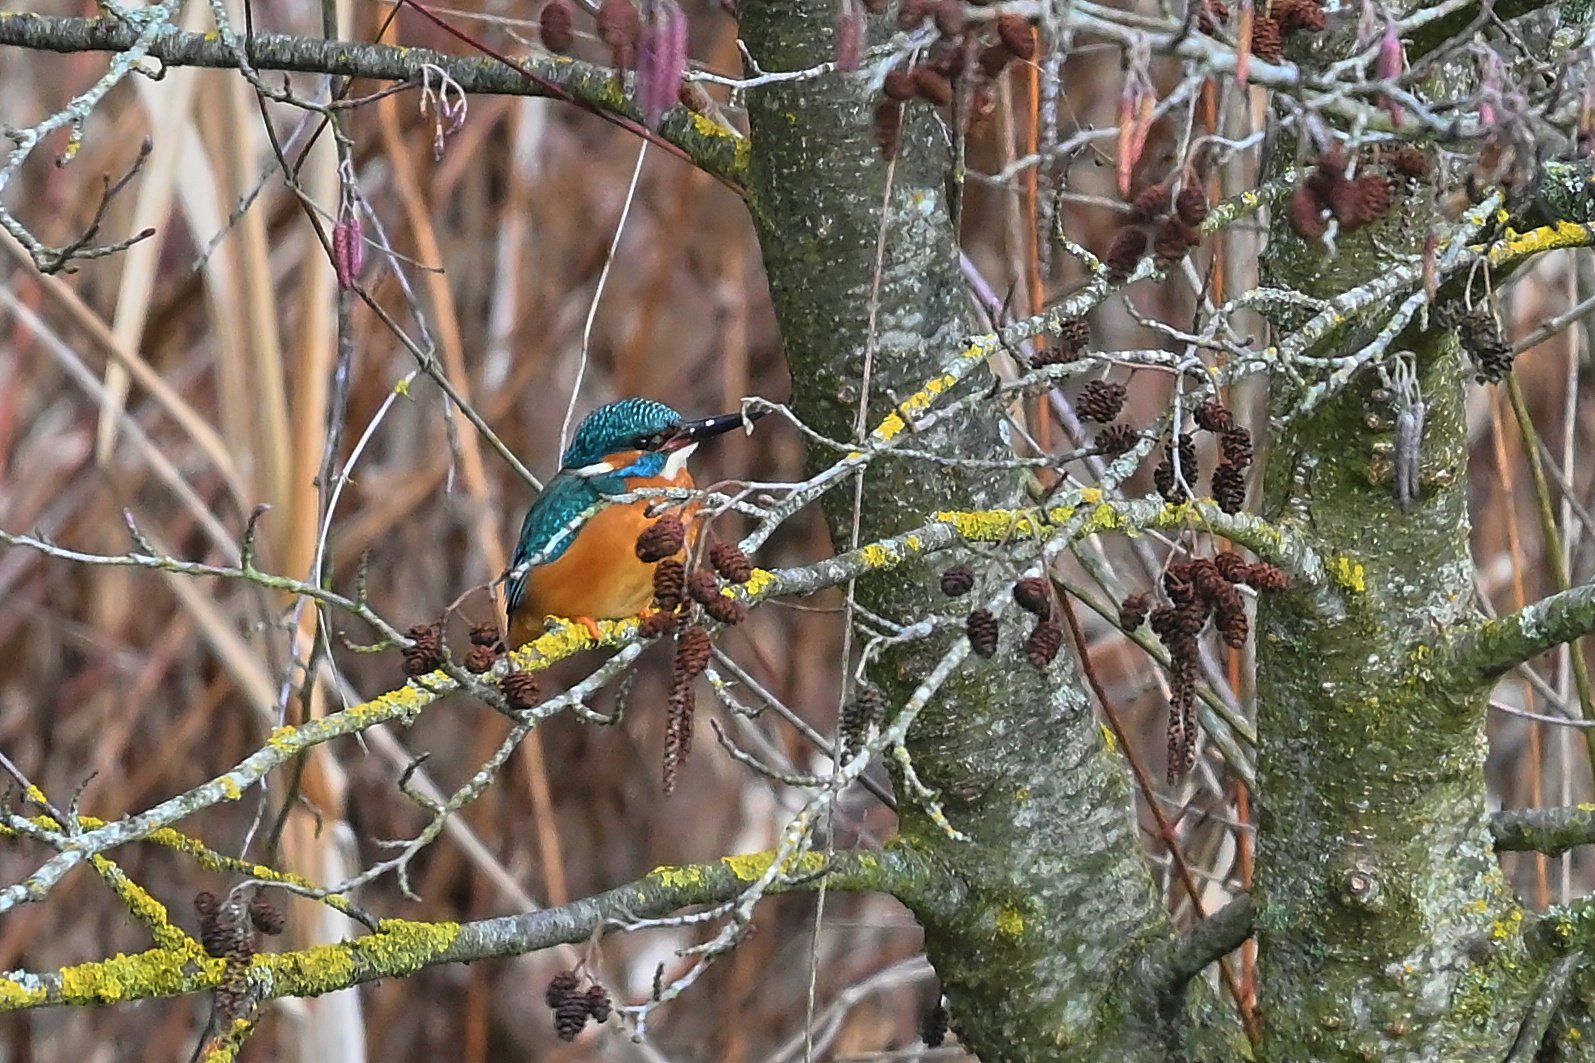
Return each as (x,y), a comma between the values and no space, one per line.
(628,424)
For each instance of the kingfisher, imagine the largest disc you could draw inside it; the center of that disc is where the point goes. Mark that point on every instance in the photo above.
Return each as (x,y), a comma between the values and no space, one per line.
(586,569)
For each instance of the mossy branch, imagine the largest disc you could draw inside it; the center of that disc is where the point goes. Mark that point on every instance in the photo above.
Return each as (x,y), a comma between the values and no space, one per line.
(712,147)
(1496,646)
(402,947)
(1543,830)
(1184,957)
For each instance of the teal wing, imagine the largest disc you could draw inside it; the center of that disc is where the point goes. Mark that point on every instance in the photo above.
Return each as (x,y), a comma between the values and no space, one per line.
(548,530)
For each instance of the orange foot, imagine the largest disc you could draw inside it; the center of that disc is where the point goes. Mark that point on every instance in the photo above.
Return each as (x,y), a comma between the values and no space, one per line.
(591,625)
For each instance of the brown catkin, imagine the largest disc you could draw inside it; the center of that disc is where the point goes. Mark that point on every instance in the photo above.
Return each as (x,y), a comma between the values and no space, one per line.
(1410,161)
(1229,487)
(657,623)
(520,690)
(598,1003)
(555,25)
(993,58)
(693,650)
(1266,577)
(911,14)
(1016,36)
(951,20)
(1042,645)
(427,653)
(726,610)
(570,1016)
(1236,447)
(1191,205)
(1034,595)
(1128,246)
(663,538)
(670,577)
(1231,566)
(899,85)
(267,917)
(1360,202)
(620,27)
(1101,401)
(1213,416)
(866,709)
(480,658)
(1117,439)
(1174,239)
(1306,213)
(1150,204)
(957,581)
(981,628)
(702,587)
(1267,40)
(1074,334)
(560,988)
(1133,610)
(729,560)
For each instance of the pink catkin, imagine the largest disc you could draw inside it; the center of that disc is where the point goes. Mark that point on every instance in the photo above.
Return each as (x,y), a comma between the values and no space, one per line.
(661,59)
(348,250)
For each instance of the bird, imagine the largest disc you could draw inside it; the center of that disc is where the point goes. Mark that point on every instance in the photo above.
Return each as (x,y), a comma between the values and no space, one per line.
(586,569)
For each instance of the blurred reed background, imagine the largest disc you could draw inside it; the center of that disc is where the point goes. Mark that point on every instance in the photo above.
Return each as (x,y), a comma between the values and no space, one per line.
(192,378)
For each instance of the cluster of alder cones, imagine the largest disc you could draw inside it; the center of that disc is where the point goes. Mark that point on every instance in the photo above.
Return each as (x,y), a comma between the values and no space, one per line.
(572,1007)
(939,79)
(427,653)
(1101,401)
(1169,224)
(1198,590)
(227,930)
(1354,202)
(1034,594)
(676,593)
(1229,476)
(1480,335)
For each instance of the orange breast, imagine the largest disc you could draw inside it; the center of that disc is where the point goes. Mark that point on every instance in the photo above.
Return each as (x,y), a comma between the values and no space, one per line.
(599,576)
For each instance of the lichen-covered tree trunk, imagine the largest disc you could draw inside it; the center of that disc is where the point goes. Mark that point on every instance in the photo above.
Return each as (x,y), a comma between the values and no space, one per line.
(1038,947)
(1386,930)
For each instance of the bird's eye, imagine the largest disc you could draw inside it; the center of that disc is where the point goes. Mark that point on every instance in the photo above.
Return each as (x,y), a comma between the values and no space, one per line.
(653,442)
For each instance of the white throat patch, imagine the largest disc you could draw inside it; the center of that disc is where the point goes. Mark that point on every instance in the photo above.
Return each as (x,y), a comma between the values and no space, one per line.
(676,460)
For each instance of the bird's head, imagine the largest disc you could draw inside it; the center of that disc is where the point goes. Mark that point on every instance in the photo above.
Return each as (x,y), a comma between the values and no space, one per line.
(633,429)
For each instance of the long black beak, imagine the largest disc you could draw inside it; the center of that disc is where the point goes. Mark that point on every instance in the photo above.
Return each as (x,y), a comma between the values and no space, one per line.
(708,427)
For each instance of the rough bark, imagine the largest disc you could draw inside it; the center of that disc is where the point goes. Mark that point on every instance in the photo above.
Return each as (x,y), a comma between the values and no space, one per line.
(1038,950)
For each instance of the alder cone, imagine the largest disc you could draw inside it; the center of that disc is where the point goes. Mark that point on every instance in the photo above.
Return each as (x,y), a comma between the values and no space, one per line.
(981,628)
(1133,610)
(598,1003)
(663,538)
(520,690)
(555,25)
(266,917)
(702,587)
(1268,40)
(889,128)
(670,577)
(957,581)
(1101,401)
(1152,202)
(899,85)
(1191,205)
(1229,487)
(1266,577)
(1042,645)
(657,623)
(1214,416)
(729,560)
(726,610)
(1033,596)
(1016,36)
(1074,334)
(951,20)
(1117,439)
(1128,246)
(1231,566)
(993,59)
